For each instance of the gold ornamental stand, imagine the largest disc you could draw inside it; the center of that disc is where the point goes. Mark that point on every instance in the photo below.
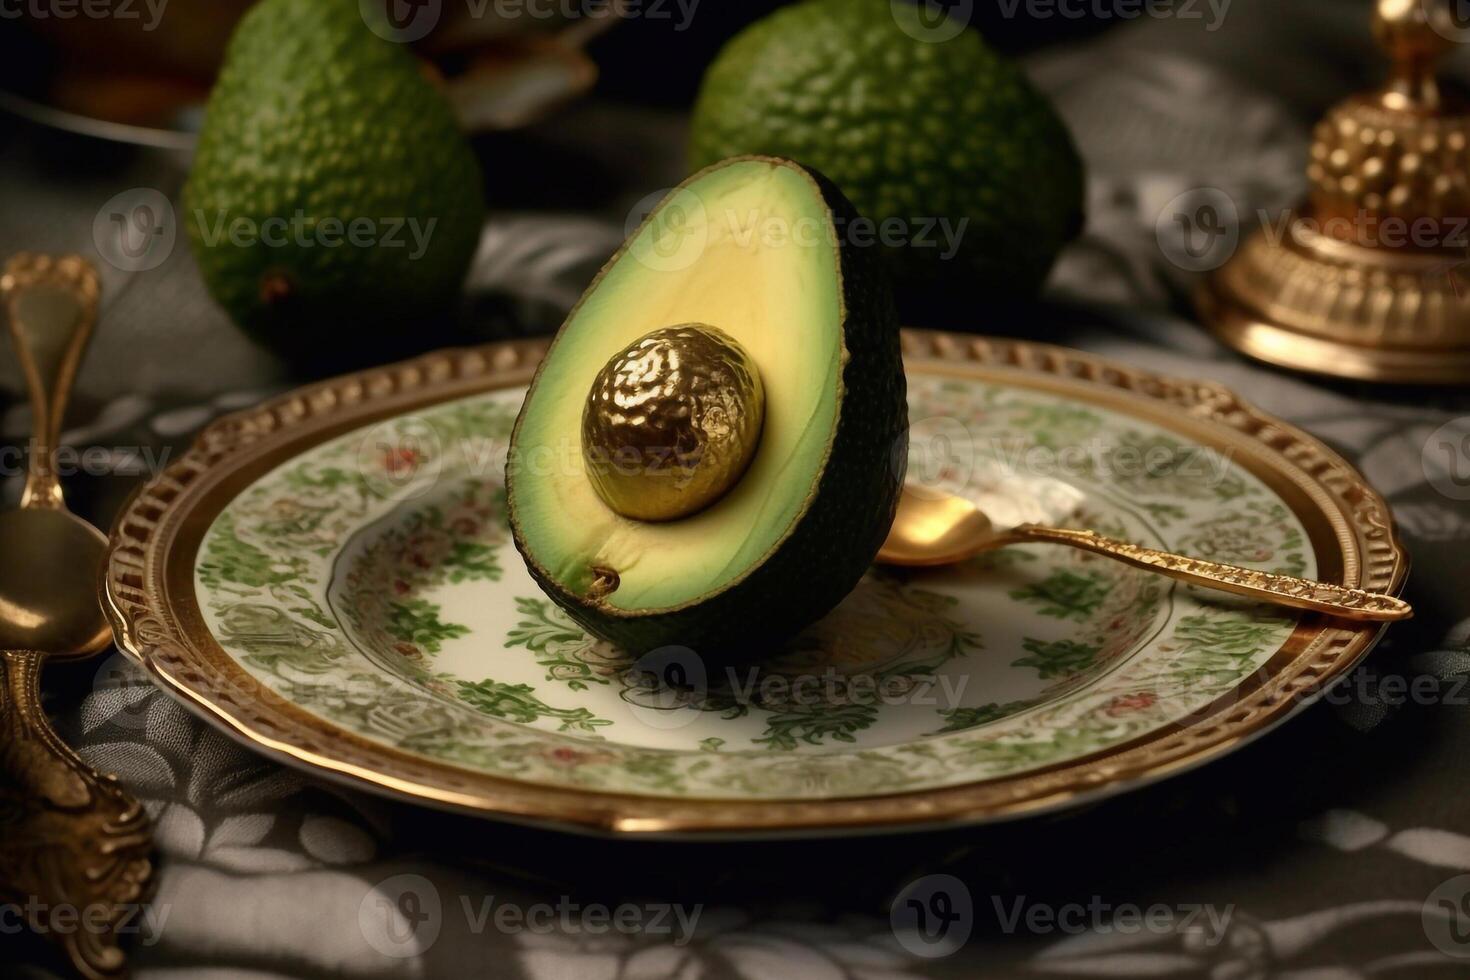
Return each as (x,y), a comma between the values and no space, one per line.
(1371,278)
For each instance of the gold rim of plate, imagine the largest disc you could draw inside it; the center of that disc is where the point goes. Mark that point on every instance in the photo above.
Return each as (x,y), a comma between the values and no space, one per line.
(148,592)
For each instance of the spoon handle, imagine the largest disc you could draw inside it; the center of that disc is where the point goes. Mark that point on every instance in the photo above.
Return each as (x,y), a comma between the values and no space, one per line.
(1282,590)
(76,850)
(51,305)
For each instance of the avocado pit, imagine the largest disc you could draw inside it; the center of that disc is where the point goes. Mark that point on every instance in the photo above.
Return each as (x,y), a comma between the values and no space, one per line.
(671,422)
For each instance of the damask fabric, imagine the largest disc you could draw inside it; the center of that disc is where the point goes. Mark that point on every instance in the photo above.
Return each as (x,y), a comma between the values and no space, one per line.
(1322,850)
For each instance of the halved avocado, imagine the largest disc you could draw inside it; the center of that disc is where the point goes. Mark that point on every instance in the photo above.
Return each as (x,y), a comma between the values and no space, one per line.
(752,246)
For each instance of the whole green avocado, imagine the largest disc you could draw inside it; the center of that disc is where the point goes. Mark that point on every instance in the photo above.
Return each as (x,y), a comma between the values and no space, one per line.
(333,200)
(928,130)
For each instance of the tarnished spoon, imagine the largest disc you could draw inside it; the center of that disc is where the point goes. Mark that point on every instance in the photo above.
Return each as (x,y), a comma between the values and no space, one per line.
(74,846)
(935,528)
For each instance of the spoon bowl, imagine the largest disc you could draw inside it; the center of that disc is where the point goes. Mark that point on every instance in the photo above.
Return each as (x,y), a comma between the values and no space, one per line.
(935,528)
(48,602)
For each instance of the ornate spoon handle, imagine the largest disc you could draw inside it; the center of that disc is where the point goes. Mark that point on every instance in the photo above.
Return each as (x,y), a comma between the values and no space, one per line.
(74,845)
(1282,590)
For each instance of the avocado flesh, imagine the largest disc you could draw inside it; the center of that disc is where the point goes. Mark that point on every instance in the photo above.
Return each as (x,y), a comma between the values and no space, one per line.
(781,303)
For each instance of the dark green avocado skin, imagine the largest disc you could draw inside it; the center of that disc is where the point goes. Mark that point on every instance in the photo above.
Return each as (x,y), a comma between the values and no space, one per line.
(361,198)
(908,128)
(837,537)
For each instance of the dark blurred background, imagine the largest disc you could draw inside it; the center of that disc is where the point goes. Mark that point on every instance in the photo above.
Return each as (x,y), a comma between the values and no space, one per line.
(659,63)
(655,59)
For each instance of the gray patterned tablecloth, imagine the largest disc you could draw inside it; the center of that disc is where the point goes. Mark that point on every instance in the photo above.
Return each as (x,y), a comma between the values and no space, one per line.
(1334,848)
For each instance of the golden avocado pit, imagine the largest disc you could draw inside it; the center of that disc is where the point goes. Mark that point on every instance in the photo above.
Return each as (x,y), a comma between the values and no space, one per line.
(671,422)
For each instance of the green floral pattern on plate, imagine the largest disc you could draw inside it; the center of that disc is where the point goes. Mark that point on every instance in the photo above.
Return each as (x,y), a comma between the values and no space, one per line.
(372,582)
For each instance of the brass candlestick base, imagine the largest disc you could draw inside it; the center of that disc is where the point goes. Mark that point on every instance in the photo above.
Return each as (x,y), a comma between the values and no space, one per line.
(1318,304)
(1370,278)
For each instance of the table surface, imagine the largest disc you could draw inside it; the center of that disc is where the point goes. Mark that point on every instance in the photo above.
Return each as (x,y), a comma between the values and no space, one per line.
(1322,850)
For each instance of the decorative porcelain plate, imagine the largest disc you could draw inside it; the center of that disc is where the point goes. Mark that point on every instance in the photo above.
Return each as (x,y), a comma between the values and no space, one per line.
(330,577)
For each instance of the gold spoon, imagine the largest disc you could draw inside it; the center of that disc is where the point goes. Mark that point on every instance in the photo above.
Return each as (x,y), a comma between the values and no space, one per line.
(74,846)
(936,528)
